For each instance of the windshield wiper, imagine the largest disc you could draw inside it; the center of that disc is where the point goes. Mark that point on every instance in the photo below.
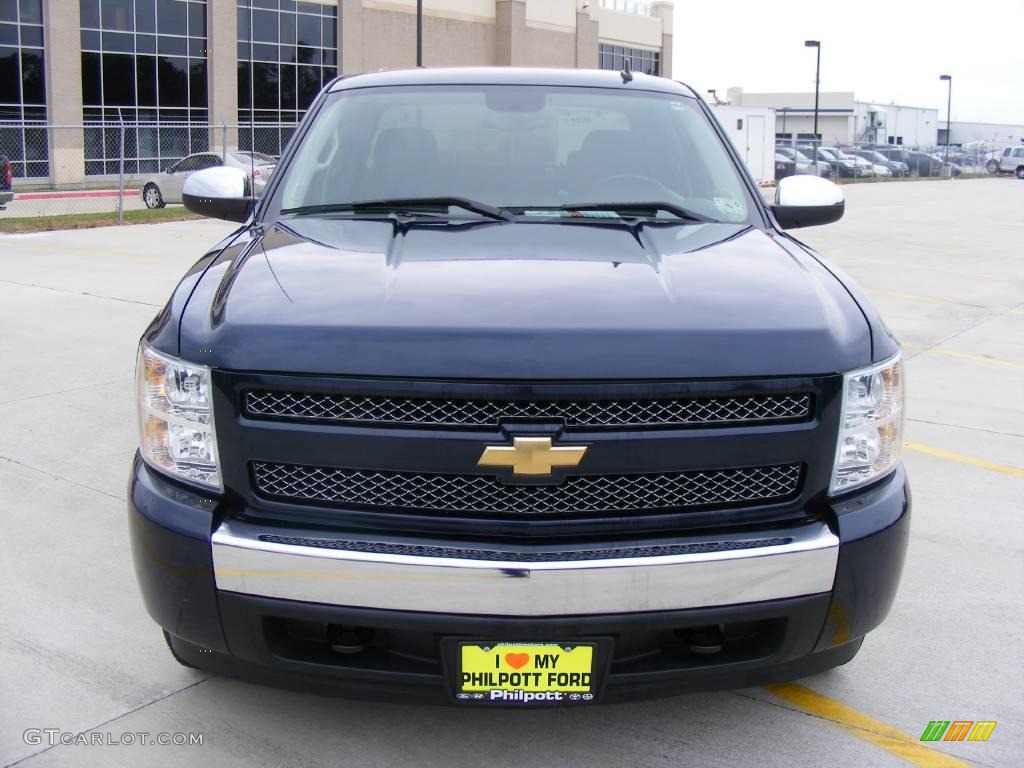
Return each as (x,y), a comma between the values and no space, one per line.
(405,204)
(633,214)
(644,209)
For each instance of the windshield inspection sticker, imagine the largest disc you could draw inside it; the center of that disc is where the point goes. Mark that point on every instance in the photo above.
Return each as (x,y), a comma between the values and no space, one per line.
(729,207)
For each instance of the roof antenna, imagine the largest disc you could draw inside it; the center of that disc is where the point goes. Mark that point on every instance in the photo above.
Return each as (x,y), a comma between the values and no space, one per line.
(627,73)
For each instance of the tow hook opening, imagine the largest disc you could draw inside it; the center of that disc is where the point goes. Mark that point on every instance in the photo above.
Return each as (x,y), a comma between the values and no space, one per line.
(348,640)
(705,641)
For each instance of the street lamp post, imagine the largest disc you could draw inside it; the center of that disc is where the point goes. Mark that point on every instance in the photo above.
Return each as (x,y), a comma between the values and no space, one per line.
(949,105)
(816,44)
(419,33)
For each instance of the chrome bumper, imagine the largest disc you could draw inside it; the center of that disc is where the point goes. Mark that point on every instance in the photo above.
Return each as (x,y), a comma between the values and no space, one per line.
(803,564)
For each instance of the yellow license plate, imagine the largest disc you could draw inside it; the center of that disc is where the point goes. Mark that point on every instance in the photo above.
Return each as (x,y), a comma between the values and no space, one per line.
(526,672)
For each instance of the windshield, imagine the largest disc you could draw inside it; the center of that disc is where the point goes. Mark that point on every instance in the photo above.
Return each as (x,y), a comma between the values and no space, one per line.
(526,147)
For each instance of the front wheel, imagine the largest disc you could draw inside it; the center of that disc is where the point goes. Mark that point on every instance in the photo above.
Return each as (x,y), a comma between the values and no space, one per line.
(152,197)
(992,166)
(1020,172)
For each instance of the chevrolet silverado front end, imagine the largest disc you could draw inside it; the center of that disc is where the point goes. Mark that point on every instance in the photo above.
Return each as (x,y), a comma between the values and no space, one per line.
(511,390)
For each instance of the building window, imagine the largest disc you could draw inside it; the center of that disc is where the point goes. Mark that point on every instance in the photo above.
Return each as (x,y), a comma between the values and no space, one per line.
(640,59)
(144,63)
(23,136)
(287,51)
(628,6)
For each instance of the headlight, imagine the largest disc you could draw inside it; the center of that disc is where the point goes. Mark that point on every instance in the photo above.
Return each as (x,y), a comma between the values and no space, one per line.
(176,429)
(870,432)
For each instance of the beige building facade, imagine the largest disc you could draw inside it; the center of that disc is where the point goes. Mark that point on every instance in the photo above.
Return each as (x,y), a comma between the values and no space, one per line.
(190,75)
(536,33)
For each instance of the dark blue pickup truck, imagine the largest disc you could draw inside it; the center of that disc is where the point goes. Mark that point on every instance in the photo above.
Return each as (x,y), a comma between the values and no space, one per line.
(510,389)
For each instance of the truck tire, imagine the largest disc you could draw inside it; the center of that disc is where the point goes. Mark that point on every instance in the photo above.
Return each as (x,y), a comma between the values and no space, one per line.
(992,166)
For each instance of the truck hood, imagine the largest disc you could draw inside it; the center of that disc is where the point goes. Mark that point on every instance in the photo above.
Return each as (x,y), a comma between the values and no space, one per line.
(523,300)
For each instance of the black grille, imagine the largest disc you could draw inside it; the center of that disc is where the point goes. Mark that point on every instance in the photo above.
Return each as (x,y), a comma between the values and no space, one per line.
(484,495)
(532,556)
(436,412)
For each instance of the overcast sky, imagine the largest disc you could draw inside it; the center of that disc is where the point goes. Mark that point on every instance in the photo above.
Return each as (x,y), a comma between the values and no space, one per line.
(883,52)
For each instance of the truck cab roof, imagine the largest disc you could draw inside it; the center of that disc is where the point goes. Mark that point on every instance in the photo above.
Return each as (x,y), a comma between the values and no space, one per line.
(585,78)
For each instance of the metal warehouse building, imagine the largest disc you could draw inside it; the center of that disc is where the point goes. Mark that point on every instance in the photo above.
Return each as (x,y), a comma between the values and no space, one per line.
(172,77)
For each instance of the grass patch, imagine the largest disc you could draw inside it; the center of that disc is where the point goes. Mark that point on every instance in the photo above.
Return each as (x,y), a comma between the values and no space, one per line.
(90,220)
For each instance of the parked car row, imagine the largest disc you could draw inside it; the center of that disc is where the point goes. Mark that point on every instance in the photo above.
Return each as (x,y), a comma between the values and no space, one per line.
(866,162)
(791,162)
(830,162)
(895,167)
(922,163)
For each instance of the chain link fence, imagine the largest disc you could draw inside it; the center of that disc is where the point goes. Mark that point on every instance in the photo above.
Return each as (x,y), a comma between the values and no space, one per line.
(52,170)
(103,167)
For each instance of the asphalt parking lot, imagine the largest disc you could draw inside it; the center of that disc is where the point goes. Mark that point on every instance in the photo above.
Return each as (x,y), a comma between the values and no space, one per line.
(943,260)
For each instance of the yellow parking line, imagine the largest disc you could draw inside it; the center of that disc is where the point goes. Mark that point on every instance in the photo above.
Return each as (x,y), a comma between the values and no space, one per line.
(928,268)
(942,454)
(938,300)
(965,356)
(895,742)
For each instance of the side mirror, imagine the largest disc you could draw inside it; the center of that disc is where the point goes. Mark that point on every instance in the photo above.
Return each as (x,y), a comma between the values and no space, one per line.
(219,193)
(807,201)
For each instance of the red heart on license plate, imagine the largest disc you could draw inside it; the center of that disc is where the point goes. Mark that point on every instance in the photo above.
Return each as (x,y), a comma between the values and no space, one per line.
(517,660)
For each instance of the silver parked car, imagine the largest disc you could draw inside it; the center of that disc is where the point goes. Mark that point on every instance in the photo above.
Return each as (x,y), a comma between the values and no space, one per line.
(165,187)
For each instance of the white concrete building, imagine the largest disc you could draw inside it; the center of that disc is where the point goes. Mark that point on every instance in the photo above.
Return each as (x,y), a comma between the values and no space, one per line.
(999,134)
(794,113)
(842,119)
(895,124)
(752,131)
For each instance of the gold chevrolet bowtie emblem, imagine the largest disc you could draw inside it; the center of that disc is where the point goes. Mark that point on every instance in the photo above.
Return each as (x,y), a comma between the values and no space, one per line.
(531,456)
